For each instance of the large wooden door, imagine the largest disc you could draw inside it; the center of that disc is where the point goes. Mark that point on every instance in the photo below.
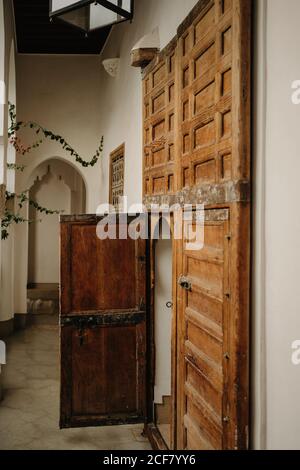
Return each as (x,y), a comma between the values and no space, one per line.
(197,115)
(213,333)
(102,326)
(203,348)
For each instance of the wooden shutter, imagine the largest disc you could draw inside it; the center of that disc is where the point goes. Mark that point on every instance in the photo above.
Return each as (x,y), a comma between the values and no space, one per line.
(116,177)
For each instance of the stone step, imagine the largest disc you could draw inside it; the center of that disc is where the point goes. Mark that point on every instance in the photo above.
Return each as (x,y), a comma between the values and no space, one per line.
(42,307)
(163,411)
(43,292)
(44,319)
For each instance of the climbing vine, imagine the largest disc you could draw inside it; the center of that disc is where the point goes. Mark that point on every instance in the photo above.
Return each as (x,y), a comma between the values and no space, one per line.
(10,217)
(43,134)
(14,166)
(16,126)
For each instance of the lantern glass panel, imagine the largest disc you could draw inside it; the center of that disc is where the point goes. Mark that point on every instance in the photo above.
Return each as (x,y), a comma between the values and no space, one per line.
(78,17)
(92,15)
(126,5)
(101,16)
(59,4)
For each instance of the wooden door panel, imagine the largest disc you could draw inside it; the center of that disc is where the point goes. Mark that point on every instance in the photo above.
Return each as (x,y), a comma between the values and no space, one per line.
(84,277)
(206,57)
(109,281)
(210,102)
(122,392)
(103,326)
(104,349)
(115,293)
(159,126)
(203,321)
(88,372)
(98,285)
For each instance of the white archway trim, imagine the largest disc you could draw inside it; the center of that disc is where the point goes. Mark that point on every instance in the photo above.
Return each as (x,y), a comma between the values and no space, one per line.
(12,92)
(47,168)
(56,186)
(41,167)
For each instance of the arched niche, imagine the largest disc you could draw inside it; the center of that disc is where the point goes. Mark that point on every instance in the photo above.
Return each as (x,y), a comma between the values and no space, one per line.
(56,185)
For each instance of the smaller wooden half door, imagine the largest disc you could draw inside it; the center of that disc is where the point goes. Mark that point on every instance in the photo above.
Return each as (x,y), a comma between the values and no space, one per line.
(203,322)
(102,326)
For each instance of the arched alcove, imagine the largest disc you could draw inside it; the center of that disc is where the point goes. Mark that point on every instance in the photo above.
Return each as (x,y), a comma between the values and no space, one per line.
(56,185)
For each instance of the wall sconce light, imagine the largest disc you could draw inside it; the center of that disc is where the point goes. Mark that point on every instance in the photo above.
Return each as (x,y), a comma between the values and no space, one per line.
(112,66)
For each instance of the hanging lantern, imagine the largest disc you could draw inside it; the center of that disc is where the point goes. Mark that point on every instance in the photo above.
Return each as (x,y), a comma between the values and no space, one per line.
(89,15)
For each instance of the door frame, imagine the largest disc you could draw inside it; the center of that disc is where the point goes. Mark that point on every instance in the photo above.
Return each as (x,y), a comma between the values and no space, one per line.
(151,430)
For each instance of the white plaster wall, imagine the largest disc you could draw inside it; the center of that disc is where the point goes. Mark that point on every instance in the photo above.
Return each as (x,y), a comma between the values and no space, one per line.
(55,185)
(163,319)
(6,247)
(6,40)
(44,235)
(282,225)
(63,94)
(277,195)
(258,321)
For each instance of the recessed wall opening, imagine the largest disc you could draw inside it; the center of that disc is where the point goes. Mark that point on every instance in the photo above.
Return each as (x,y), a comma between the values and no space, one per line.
(56,185)
(162,337)
(162,321)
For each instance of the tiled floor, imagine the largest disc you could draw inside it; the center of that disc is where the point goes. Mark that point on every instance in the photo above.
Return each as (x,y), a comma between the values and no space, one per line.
(29,413)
